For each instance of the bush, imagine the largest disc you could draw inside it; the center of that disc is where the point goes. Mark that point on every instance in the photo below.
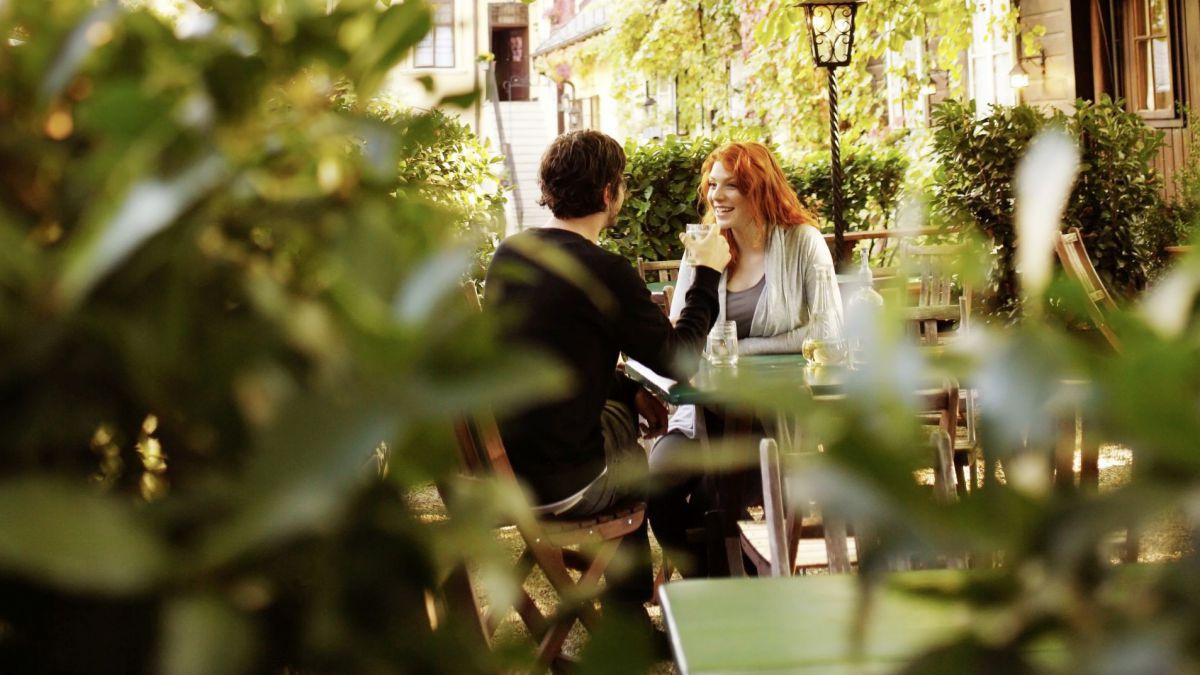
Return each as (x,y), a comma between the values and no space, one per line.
(1115,198)
(217,301)
(456,172)
(873,179)
(662,178)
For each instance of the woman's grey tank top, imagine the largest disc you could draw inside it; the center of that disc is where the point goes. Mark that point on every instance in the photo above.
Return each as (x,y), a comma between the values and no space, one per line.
(739,306)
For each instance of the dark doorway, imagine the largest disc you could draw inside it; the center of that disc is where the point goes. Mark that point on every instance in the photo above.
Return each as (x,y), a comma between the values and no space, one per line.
(511,47)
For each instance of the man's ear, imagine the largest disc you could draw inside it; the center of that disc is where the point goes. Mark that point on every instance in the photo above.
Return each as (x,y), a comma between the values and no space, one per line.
(609,196)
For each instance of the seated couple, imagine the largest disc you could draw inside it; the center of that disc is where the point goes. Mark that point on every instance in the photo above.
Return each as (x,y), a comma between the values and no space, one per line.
(556,290)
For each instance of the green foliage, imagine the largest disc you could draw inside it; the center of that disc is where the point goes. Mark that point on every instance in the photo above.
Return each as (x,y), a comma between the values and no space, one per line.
(1114,199)
(662,179)
(758,53)
(218,298)
(873,178)
(457,172)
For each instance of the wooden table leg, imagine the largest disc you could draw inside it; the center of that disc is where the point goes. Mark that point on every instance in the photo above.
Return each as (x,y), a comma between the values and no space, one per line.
(1089,469)
(1064,451)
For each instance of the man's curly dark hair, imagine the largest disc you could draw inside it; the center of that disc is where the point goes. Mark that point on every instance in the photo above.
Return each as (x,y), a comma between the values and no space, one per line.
(576,169)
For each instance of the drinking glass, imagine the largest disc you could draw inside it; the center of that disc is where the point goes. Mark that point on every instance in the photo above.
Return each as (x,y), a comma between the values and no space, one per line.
(723,344)
(694,231)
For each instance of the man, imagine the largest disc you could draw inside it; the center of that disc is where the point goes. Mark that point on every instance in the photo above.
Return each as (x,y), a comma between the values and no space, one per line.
(558,291)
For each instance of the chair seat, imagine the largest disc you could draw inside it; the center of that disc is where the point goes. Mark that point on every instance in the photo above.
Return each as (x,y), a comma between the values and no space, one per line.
(810,553)
(615,523)
(962,437)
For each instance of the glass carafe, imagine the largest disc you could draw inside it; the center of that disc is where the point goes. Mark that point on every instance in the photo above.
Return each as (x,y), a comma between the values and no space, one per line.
(825,344)
(863,310)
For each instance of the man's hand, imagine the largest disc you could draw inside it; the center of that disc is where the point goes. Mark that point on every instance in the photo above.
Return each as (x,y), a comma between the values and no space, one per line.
(653,411)
(711,250)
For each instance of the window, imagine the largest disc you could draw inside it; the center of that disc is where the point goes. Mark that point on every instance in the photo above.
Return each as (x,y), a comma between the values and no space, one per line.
(436,50)
(1149,58)
(990,58)
(590,112)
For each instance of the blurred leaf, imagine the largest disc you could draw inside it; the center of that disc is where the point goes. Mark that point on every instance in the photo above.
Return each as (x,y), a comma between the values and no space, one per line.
(147,209)
(77,48)
(431,285)
(203,634)
(70,536)
(397,30)
(463,100)
(301,472)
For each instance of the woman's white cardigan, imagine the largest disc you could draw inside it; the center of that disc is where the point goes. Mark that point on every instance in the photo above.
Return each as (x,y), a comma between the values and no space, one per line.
(781,320)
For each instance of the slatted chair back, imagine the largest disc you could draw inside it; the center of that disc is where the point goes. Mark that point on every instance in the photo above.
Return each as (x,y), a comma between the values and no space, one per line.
(1078,265)
(663,299)
(550,545)
(939,297)
(659,271)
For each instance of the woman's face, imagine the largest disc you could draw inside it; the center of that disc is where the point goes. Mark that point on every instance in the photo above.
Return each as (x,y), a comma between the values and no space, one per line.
(729,205)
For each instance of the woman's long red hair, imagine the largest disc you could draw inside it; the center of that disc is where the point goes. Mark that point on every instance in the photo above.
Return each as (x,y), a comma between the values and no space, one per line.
(760,179)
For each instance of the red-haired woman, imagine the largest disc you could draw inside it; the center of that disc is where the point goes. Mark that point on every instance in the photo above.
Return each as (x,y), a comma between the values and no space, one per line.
(767,289)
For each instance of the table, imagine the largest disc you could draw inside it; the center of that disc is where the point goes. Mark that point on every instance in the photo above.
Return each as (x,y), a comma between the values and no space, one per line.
(702,390)
(805,624)
(724,539)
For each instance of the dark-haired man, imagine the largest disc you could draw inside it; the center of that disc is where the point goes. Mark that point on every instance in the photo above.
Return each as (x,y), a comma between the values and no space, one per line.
(560,292)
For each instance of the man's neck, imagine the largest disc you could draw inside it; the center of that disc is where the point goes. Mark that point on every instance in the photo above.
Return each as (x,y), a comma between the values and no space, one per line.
(587,227)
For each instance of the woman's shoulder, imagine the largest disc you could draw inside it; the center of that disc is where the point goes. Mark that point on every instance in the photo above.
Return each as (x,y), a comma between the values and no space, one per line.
(804,234)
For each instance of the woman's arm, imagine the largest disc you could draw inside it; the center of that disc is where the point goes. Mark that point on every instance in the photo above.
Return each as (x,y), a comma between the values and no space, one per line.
(789,342)
(686,274)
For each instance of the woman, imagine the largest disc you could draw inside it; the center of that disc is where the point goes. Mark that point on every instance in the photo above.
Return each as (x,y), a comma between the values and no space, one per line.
(767,289)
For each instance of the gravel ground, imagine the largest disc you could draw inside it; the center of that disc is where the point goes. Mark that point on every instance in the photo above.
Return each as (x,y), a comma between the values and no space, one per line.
(1166,539)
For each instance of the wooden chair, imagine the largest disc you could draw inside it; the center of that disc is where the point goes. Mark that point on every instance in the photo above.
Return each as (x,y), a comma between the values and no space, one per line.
(664,298)
(775,544)
(940,300)
(1078,266)
(1099,304)
(936,300)
(555,545)
(660,276)
(659,271)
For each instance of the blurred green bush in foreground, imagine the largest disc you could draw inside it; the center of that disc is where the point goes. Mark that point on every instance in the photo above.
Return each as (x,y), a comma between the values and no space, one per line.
(223,311)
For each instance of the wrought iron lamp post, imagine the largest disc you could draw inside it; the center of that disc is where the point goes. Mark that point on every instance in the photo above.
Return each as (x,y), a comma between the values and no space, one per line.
(831,34)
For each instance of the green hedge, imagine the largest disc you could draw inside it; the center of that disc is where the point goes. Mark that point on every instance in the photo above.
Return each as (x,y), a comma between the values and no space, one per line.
(1116,201)
(457,173)
(662,177)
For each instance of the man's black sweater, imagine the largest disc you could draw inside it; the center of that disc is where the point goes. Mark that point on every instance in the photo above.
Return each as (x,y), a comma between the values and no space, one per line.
(583,308)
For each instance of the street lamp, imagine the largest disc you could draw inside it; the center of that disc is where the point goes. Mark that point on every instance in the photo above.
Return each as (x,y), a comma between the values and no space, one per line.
(831,34)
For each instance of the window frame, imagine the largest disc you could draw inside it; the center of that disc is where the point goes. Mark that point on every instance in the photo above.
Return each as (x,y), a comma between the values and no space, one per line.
(432,38)
(1129,42)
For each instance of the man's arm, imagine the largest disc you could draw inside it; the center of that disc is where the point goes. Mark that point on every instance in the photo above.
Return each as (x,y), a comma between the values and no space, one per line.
(648,336)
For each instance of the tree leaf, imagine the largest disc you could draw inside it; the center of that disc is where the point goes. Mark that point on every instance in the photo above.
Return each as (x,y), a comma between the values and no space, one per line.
(73,538)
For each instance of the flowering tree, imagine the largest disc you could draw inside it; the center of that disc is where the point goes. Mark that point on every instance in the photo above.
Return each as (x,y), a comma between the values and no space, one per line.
(749,61)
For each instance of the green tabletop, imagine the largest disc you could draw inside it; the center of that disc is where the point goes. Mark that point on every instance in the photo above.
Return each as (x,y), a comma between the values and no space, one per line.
(804,624)
(705,386)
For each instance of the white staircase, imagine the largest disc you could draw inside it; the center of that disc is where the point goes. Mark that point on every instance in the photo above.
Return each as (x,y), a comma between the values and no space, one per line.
(528,134)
